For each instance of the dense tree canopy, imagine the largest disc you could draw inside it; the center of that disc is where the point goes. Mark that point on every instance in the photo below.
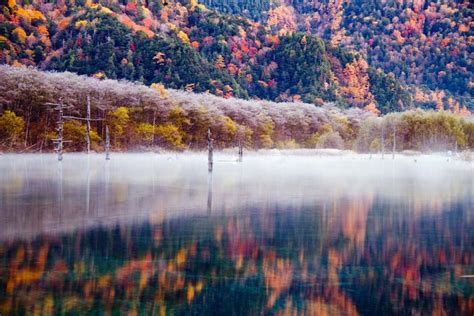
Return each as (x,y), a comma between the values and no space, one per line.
(419,42)
(184,45)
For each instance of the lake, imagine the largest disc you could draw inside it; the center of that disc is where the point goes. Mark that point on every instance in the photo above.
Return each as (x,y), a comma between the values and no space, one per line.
(277,234)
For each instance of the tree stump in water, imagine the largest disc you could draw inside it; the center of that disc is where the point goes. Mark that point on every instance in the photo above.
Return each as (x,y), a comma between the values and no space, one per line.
(210,149)
(241,151)
(107,143)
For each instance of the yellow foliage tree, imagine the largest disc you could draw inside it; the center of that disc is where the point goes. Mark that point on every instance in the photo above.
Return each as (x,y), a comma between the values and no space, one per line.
(202,7)
(145,131)
(193,4)
(75,132)
(20,34)
(265,132)
(355,85)
(30,15)
(11,127)
(106,10)
(118,121)
(160,88)
(3,39)
(183,37)
(178,117)
(170,135)
(80,24)
(228,131)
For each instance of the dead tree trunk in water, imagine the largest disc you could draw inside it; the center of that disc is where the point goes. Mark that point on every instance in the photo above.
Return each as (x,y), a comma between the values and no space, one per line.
(210,149)
(241,139)
(59,107)
(88,125)
(88,121)
(107,143)
(241,151)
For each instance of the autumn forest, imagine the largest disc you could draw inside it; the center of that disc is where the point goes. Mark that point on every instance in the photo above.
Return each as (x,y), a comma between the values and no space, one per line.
(236,157)
(319,79)
(141,117)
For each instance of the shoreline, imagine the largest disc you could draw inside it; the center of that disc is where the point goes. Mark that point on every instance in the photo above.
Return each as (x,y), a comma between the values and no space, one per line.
(261,152)
(231,155)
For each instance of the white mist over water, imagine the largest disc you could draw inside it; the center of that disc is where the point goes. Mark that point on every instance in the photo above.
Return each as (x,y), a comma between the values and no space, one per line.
(38,194)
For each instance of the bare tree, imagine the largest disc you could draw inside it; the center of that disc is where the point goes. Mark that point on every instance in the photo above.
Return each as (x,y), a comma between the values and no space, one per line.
(107,143)
(298,121)
(210,148)
(88,120)
(59,141)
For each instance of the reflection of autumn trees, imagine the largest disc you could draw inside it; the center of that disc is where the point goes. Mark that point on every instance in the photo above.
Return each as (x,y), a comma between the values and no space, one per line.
(86,274)
(428,263)
(346,257)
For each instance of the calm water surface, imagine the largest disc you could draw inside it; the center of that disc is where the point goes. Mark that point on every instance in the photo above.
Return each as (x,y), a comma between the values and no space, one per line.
(274,235)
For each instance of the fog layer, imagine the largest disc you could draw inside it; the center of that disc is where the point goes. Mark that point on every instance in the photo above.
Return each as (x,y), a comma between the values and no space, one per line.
(38,194)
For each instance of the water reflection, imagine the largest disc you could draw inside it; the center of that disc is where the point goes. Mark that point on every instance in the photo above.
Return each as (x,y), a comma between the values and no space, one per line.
(155,234)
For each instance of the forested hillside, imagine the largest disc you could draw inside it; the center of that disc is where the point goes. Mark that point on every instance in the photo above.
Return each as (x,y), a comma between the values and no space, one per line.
(422,43)
(187,46)
(350,53)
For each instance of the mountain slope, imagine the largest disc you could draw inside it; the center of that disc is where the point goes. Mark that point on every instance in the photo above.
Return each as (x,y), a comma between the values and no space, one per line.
(419,42)
(187,46)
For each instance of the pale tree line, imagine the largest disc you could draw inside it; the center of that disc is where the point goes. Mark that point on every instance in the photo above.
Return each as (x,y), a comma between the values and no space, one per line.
(139,117)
